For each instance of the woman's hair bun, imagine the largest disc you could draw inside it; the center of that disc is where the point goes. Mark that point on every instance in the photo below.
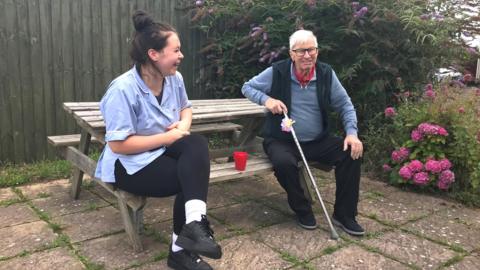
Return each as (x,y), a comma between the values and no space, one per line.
(141,20)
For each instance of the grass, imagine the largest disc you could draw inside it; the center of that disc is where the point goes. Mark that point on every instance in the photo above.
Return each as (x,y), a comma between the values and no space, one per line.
(18,174)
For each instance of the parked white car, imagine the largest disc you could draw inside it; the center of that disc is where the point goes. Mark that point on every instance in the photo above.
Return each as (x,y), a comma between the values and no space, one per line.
(450,73)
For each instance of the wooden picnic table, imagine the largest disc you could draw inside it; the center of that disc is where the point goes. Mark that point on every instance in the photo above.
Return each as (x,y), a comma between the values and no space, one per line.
(209,116)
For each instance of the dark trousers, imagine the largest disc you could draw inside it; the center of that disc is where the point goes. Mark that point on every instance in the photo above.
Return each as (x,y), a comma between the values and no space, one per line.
(183,170)
(285,157)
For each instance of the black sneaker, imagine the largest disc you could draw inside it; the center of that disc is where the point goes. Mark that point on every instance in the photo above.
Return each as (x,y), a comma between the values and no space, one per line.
(186,260)
(349,225)
(307,221)
(197,237)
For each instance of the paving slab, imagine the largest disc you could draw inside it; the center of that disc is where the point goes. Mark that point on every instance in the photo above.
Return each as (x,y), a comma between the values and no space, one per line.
(58,259)
(412,249)
(247,216)
(252,188)
(471,262)
(115,252)
(38,190)
(25,237)
(159,265)
(391,212)
(158,209)
(244,253)
(355,258)
(465,215)
(15,214)
(90,224)
(370,185)
(294,240)
(7,194)
(218,196)
(441,227)
(61,203)
(278,202)
(420,201)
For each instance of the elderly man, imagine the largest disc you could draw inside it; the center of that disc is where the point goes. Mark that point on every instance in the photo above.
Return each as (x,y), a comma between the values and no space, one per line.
(307,89)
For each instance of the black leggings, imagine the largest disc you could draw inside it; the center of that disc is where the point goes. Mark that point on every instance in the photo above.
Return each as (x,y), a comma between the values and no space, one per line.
(183,170)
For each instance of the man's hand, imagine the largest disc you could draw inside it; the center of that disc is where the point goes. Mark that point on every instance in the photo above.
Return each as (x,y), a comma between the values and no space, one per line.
(356,146)
(275,106)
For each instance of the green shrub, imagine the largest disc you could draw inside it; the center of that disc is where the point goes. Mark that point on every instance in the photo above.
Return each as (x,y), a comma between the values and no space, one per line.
(394,39)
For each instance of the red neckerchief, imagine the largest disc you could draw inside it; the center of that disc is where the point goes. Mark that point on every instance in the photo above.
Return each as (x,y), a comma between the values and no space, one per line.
(304,79)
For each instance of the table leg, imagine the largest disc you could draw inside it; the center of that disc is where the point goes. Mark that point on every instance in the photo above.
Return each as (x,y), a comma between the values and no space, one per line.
(77,174)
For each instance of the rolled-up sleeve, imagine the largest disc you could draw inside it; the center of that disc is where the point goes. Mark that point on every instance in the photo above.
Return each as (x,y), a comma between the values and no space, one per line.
(342,104)
(118,114)
(184,101)
(257,88)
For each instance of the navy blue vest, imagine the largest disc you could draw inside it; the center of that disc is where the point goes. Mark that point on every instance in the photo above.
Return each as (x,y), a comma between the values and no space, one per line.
(281,90)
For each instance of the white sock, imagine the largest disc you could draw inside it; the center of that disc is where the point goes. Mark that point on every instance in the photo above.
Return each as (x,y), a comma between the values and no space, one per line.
(194,209)
(175,248)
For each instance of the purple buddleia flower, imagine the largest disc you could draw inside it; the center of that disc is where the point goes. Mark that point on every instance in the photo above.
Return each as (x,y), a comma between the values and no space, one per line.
(361,12)
(425,17)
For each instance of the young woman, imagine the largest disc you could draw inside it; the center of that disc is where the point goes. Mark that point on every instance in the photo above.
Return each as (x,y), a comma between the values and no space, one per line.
(150,150)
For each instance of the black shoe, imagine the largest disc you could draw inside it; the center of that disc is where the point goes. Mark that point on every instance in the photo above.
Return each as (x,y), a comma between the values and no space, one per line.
(307,221)
(186,260)
(197,237)
(349,225)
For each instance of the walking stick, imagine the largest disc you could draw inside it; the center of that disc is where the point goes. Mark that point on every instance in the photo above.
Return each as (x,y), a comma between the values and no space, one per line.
(333,232)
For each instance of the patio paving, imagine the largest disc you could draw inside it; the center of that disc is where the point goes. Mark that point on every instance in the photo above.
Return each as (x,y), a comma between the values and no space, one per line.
(42,228)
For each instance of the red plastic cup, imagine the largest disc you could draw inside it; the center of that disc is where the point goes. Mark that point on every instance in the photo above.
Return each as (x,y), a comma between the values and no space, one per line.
(240,159)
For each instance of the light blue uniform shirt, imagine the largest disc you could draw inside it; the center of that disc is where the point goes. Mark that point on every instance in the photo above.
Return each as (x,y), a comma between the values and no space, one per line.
(129,108)
(304,104)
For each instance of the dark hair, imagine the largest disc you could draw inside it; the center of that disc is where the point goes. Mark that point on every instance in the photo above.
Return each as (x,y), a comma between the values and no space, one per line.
(149,34)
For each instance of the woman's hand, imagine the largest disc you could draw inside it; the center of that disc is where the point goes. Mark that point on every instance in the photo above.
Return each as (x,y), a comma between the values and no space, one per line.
(182,125)
(175,134)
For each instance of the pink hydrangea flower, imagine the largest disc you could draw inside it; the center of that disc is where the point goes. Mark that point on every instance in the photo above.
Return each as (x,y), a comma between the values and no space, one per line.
(447,176)
(428,87)
(421,178)
(390,112)
(442,132)
(386,168)
(415,166)
(433,166)
(445,179)
(430,94)
(405,172)
(416,135)
(432,129)
(400,154)
(445,164)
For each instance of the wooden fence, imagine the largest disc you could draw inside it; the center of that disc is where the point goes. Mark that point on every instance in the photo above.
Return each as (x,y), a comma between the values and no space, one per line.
(53,51)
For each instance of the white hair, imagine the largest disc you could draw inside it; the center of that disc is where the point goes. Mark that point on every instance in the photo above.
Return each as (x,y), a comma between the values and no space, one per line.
(302,36)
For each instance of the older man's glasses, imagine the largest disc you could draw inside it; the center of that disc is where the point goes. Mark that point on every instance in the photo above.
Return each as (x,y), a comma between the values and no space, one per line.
(301,52)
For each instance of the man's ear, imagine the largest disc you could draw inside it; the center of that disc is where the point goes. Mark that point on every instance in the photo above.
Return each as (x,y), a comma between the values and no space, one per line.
(154,55)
